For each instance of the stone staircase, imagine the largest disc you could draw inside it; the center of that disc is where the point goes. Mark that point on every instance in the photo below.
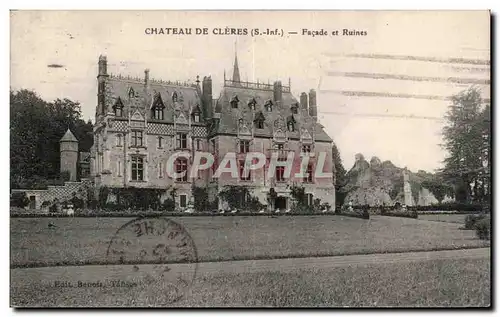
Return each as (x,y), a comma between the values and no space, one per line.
(61,193)
(68,191)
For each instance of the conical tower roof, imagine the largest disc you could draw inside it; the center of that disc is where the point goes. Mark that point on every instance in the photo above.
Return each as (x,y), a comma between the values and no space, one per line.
(68,137)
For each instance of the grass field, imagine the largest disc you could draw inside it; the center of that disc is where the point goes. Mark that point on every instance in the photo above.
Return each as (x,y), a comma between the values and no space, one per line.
(85,240)
(425,283)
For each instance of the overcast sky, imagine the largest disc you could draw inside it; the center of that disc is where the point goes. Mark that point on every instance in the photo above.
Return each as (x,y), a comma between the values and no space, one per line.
(367,85)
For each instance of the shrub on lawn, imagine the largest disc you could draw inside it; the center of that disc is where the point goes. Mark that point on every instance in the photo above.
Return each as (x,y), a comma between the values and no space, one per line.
(103,196)
(54,207)
(483,228)
(471,220)
(78,203)
(93,204)
(19,200)
(168,204)
(301,209)
(239,197)
(115,207)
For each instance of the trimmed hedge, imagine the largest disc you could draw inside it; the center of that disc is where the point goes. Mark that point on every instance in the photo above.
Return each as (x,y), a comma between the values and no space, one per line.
(412,214)
(363,215)
(167,214)
(450,208)
(447,212)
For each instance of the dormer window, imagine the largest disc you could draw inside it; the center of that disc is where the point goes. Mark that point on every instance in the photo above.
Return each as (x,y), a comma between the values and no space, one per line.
(174,97)
(269,106)
(259,120)
(158,114)
(118,108)
(295,108)
(290,124)
(196,114)
(252,103)
(157,110)
(234,102)
(131,93)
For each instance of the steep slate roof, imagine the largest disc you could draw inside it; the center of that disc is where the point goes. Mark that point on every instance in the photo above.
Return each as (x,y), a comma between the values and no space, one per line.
(229,116)
(187,97)
(68,137)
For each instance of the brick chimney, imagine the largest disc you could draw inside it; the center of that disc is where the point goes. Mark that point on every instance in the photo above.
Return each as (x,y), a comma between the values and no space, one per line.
(207,97)
(313,111)
(278,92)
(303,101)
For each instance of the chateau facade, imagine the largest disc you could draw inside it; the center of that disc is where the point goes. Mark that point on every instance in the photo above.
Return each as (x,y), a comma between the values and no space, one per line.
(141,122)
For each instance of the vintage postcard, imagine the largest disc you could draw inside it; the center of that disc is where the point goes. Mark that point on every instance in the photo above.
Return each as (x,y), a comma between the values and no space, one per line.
(250,159)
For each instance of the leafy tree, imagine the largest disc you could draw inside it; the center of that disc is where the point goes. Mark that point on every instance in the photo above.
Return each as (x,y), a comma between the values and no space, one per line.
(467,140)
(340,176)
(36,126)
(299,194)
(340,172)
(19,200)
(200,195)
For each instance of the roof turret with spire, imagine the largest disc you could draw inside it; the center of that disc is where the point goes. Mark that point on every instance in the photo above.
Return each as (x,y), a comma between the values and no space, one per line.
(236,70)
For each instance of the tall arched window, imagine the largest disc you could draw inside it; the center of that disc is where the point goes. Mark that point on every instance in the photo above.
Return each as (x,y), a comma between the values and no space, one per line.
(181,166)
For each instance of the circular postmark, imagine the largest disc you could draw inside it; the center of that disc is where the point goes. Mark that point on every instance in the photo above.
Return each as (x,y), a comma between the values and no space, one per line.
(159,252)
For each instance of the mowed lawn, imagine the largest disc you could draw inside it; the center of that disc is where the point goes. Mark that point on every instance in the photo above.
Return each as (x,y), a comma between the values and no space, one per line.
(85,240)
(423,283)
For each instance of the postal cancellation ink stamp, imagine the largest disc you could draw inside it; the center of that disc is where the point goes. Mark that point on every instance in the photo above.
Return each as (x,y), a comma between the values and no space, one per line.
(160,253)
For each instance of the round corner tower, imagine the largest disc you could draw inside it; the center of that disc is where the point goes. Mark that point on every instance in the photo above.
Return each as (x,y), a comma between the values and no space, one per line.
(68,148)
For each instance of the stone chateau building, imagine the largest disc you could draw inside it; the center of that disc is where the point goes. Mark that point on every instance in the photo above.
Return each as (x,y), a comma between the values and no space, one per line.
(141,122)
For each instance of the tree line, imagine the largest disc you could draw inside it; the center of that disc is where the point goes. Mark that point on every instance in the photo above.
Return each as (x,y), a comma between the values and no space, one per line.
(36,126)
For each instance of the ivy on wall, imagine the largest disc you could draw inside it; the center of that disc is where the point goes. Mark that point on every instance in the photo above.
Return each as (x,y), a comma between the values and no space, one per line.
(239,197)
(136,198)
